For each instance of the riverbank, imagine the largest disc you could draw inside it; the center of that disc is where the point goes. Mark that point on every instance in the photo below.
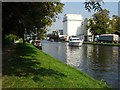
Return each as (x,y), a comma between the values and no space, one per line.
(29,67)
(105,44)
(98,43)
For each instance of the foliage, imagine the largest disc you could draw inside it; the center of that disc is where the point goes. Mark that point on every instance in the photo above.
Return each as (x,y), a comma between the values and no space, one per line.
(93,5)
(10,38)
(99,24)
(115,23)
(19,17)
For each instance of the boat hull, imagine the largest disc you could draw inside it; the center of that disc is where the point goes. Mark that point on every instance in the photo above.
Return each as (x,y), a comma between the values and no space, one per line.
(76,44)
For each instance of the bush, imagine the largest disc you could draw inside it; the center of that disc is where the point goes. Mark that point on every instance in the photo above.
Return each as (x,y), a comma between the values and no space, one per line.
(10,38)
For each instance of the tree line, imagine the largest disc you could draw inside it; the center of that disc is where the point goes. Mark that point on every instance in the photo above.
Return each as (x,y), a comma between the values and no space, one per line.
(32,17)
(35,17)
(101,23)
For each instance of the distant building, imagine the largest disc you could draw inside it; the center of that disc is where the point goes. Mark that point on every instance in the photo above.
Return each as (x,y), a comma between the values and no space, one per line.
(87,33)
(72,25)
(60,35)
(54,33)
(60,32)
(75,25)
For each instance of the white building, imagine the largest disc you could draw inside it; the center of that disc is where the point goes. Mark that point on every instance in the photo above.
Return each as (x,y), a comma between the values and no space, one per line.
(75,25)
(72,25)
(87,33)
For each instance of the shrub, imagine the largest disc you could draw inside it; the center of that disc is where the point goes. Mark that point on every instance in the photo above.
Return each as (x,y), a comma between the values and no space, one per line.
(10,38)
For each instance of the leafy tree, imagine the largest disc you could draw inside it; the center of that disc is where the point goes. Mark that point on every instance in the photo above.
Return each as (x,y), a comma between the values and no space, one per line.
(99,23)
(93,5)
(19,17)
(115,23)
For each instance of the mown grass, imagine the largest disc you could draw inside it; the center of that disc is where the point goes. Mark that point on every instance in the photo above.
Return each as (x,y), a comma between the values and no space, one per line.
(29,67)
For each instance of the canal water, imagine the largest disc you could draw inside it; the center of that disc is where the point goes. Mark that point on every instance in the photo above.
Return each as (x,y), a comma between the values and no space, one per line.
(101,62)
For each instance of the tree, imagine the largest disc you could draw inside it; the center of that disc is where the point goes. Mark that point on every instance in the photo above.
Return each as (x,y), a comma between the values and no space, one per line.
(19,17)
(93,5)
(99,24)
(115,23)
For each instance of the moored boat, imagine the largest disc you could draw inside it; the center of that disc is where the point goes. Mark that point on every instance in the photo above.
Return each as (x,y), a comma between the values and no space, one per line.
(75,41)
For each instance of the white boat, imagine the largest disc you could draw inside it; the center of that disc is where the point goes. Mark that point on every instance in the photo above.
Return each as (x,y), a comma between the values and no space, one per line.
(75,41)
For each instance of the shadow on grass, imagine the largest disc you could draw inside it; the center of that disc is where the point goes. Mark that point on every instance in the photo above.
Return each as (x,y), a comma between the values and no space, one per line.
(18,65)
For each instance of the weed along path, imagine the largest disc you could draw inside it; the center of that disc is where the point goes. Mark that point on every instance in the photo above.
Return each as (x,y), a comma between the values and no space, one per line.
(29,67)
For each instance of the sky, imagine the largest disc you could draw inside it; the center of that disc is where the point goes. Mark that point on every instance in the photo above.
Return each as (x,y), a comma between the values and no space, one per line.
(77,7)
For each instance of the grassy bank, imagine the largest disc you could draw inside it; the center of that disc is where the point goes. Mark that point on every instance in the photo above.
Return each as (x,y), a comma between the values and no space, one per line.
(28,67)
(106,44)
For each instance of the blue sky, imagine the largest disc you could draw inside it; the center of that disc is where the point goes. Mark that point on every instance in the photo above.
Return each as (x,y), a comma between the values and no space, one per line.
(78,8)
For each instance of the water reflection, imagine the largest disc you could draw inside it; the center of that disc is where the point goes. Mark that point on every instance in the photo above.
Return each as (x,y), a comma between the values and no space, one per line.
(74,56)
(101,62)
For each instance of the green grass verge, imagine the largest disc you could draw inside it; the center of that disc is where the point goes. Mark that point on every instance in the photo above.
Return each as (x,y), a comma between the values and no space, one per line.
(31,68)
(106,44)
